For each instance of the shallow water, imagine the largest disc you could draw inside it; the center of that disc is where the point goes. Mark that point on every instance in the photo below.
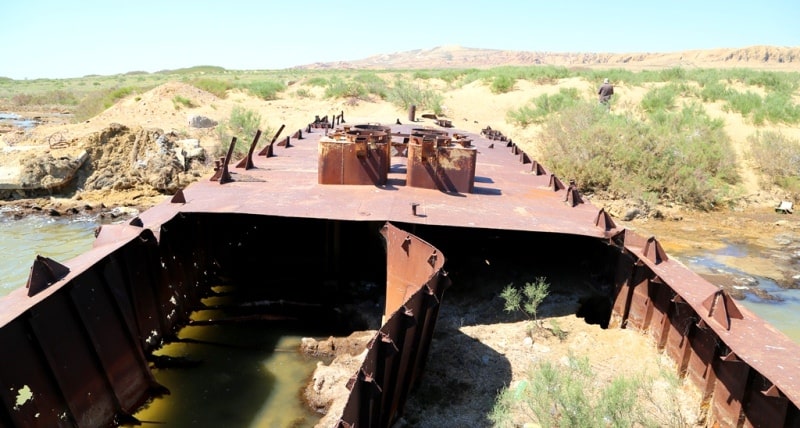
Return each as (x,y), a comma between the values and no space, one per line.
(22,240)
(17,120)
(781,309)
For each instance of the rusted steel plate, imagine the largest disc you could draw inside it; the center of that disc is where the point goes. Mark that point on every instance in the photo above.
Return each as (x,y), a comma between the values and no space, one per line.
(71,356)
(729,391)
(661,296)
(440,164)
(43,401)
(396,355)
(362,161)
(704,350)
(752,339)
(765,406)
(506,194)
(117,350)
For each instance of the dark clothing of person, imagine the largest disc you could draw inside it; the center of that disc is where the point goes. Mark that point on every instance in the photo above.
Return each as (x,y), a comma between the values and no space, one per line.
(606,91)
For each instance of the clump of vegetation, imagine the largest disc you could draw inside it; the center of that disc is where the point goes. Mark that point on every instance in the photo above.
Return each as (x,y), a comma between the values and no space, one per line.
(571,395)
(242,124)
(180,101)
(542,106)
(527,300)
(303,93)
(217,87)
(265,89)
(56,97)
(502,83)
(777,157)
(404,95)
(98,101)
(682,156)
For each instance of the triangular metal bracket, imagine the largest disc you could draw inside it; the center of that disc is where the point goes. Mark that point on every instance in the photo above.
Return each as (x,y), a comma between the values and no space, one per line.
(653,251)
(136,221)
(722,308)
(247,161)
(178,197)
(44,273)
(730,357)
(222,174)
(524,158)
(573,196)
(604,220)
(537,168)
(555,183)
(772,391)
(267,150)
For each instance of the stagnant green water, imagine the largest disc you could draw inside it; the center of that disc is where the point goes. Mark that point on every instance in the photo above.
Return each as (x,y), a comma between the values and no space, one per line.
(242,375)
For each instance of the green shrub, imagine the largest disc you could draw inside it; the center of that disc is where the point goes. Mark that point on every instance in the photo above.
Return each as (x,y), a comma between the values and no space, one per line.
(265,89)
(341,88)
(217,87)
(542,106)
(571,395)
(660,99)
(404,95)
(502,84)
(682,156)
(372,84)
(317,81)
(242,124)
(777,157)
(179,101)
(528,300)
(98,101)
(303,93)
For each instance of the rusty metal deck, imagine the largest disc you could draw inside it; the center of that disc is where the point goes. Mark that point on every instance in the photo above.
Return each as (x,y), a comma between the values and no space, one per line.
(507,194)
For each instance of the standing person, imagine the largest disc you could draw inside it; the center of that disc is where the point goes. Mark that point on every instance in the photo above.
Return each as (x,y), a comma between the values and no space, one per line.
(606,91)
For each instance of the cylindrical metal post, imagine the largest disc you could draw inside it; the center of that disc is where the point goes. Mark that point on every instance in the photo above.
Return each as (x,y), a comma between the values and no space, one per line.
(412,112)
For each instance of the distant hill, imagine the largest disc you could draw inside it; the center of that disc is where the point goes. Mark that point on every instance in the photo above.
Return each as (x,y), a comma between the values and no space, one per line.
(757,57)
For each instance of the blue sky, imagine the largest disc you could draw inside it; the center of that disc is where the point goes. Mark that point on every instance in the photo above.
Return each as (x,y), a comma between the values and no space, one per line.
(62,38)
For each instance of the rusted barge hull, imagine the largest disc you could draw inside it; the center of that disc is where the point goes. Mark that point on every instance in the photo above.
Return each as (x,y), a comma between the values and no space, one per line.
(82,331)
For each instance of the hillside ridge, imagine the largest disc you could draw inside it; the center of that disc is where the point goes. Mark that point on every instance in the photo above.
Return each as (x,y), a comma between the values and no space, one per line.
(759,57)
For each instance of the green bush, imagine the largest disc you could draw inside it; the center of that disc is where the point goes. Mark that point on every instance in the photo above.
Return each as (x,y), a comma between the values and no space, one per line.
(98,101)
(265,89)
(570,395)
(341,88)
(777,157)
(542,106)
(372,84)
(502,84)
(317,81)
(682,156)
(528,300)
(179,101)
(660,99)
(217,87)
(404,95)
(242,124)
